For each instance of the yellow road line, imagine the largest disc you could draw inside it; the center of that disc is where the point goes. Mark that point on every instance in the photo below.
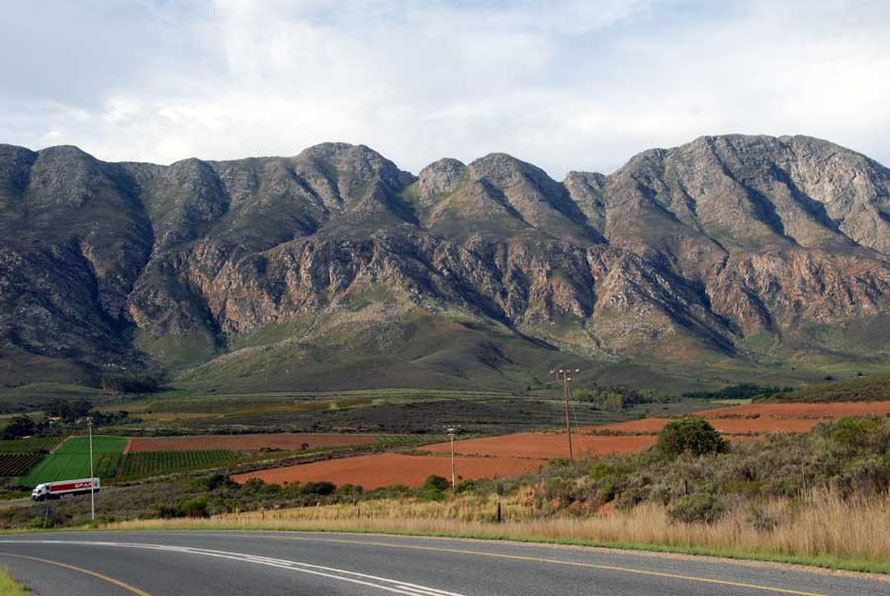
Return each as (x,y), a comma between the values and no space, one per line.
(118,583)
(459,551)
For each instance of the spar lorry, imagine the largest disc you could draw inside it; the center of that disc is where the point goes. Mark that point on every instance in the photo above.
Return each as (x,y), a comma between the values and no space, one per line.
(60,488)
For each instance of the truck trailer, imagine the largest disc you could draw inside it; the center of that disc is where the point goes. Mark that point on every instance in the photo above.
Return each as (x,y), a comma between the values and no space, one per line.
(60,488)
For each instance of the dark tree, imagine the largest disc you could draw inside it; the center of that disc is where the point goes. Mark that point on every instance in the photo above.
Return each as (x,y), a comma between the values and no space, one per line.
(20,426)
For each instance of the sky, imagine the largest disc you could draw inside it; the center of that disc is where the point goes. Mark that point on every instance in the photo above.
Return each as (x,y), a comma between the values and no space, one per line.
(565,84)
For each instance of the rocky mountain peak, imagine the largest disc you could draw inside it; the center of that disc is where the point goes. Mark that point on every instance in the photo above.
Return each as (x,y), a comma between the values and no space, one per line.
(737,252)
(440,177)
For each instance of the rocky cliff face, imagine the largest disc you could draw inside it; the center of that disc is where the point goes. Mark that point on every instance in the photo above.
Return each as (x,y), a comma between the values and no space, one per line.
(736,252)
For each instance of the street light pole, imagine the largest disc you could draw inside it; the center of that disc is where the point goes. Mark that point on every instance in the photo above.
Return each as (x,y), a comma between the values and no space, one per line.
(92,481)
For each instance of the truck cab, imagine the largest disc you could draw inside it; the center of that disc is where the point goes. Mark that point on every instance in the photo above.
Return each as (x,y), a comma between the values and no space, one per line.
(40,492)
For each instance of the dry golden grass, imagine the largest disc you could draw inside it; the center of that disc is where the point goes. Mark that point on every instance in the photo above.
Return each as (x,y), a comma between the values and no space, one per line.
(820,528)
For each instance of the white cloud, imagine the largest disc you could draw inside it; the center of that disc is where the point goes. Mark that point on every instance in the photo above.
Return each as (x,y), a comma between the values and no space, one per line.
(566,85)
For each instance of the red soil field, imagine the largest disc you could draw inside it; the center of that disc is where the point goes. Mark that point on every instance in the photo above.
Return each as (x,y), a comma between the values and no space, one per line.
(387,469)
(288,442)
(510,455)
(802,410)
(545,445)
(762,424)
(762,418)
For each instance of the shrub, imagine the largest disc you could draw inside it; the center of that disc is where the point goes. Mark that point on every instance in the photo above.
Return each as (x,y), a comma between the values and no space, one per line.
(468,485)
(321,489)
(219,481)
(698,507)
(196,507)
(853,433)
(436,482)
(604,469)
(760,521)
(253,485)
(689,435)
(432,494)
(350,490)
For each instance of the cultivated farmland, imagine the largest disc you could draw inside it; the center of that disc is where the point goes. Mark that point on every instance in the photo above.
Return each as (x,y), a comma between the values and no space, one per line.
(742,423)
(248,443)
(156,463)
(761,417)
(29,445)
(387,469)
(545,445)
(72,460)
(17,464)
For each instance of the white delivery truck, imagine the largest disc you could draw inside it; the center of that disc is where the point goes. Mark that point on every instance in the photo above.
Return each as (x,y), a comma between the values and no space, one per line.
(60,488)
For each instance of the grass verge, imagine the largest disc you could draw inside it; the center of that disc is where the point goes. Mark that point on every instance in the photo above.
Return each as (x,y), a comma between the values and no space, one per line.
(826,531)
(10,587)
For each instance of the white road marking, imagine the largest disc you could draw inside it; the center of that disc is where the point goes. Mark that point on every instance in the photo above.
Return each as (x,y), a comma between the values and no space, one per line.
(383,583)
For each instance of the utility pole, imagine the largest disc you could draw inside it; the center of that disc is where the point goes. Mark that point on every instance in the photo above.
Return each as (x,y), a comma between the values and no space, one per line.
(452,430)
(92,481)
(563,375)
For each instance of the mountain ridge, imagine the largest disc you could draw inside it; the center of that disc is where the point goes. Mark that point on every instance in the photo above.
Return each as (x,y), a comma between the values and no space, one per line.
(729,255)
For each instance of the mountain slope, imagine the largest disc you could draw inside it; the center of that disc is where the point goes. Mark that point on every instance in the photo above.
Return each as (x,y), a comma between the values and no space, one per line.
(723,258)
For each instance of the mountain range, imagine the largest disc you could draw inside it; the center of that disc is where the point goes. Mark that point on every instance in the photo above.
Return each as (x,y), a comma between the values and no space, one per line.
(728,258)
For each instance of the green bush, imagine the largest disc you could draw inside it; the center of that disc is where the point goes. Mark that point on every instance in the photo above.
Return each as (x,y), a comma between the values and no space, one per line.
(350,490)
(196,507)
(698,507)
(689,435)
(853,433)
(432,494)
(603,469)
(468,485)
(217,481)
(436,482)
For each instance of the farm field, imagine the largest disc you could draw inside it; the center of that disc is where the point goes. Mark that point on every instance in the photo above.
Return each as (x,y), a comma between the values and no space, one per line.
(29,445)
(728,426)
(72,460)
(247,443)
(545,445)
(741,423)
(155,463)
(16,464)
(387,469)
(504,454)
(764,417)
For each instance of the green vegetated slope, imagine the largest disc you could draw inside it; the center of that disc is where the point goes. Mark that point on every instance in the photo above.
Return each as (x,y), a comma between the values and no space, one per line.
(72,460)
(870,388)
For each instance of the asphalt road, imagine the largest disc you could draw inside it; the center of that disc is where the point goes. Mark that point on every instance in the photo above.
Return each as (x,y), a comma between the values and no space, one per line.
(221,563)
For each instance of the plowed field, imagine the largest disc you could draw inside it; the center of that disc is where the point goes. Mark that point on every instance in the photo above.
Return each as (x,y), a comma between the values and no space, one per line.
(545,445)
(762,418)
(804,410)
(736,422)
(510,455)
(248,443)
(386,469)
